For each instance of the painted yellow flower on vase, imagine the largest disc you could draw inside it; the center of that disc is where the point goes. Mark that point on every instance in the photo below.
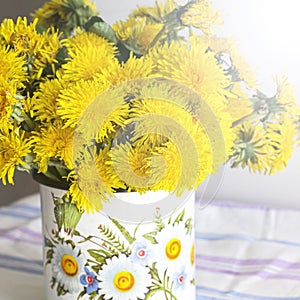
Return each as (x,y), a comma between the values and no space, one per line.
(68,265)
(123,280)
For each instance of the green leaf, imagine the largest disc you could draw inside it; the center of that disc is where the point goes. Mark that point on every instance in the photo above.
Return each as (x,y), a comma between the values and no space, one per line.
(99,255)
(95,268)
(154,273)
(179,217)
(189,225)
(81,294)
(135,230)
(159,223)
(49,255)
(150,237)
(96,25)
(60,290)
(152,291)
(86,239)
(123,230)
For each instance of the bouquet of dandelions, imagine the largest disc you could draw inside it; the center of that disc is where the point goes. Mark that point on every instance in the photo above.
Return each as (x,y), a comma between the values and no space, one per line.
(155,102)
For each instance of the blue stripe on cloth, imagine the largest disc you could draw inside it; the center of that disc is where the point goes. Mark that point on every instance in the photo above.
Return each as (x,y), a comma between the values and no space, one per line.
(21,259)
(239,237)
(33,208)
(15,263)
(22,269)
(234,295)
(21,211)
(206,298)
(18,215)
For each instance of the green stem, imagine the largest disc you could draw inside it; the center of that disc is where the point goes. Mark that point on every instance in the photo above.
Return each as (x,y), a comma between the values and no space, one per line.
(157,37)
(160,284)
(117,247)
(30,124)
(87,239)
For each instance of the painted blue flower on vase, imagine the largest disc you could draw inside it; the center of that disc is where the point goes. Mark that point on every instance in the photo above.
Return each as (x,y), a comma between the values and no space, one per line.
(142,252)
(180,279)
(89,281)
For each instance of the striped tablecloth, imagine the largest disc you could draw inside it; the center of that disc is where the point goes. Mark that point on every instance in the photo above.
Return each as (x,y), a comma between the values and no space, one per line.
(243,252)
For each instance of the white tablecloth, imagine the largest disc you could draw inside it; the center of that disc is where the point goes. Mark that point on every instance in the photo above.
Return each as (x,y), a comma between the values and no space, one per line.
(242,252)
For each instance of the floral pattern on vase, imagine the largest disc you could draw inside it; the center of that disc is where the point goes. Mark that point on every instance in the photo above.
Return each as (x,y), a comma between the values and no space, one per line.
(117,261)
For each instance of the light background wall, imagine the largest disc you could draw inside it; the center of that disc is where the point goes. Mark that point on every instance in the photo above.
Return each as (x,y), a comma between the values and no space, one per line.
(245,21)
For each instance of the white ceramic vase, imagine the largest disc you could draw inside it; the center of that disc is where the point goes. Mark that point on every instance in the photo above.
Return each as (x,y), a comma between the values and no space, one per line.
(137,247)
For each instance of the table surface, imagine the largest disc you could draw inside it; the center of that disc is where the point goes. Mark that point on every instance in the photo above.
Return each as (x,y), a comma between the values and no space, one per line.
(242,251)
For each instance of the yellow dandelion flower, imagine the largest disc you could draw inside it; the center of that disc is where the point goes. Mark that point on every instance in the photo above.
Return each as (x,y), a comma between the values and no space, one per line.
(161,119)
(201,15)
(280,141)
(195,67)
(80,106)
(87,59)
(12,65)
(181,104)
(40,49)
(130,29)
(20,35)
(167,166)
(93,181)
(7,100)
(81,37)
(180,168)
(13,149)
(132,164)
(198,69)
(216,127)
(44,100)
(136,33)
(45,52)
(74,100)
(53,142)
(133,68)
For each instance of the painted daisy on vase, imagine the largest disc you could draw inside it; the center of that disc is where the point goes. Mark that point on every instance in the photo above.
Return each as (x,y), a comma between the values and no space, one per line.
(172,247)
(121,279)
(67,265)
